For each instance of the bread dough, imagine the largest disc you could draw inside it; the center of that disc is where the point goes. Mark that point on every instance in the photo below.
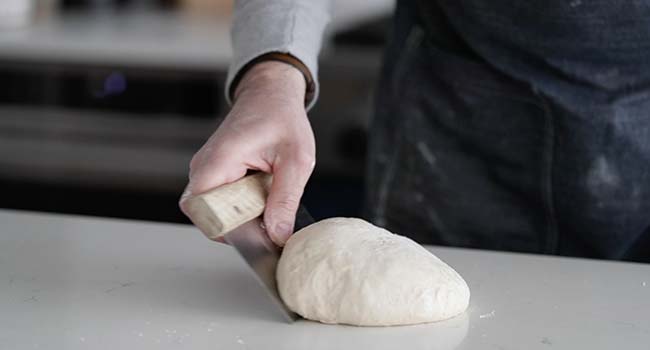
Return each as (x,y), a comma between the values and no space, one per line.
(346,270)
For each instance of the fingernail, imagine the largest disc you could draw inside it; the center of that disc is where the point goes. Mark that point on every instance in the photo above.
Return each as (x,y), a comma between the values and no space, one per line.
(187,192)
(283,230)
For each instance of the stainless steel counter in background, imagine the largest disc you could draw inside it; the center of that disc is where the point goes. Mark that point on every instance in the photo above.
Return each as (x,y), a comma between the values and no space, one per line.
(115,106)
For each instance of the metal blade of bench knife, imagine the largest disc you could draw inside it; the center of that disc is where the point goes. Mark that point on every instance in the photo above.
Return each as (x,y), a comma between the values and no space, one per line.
(303,218)
(262,255)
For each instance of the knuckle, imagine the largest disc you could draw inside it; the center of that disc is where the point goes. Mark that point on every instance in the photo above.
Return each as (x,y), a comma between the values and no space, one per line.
(305,160)
(195,161)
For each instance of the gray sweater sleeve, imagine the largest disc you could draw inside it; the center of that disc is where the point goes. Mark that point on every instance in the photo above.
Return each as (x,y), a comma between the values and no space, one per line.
(288,26)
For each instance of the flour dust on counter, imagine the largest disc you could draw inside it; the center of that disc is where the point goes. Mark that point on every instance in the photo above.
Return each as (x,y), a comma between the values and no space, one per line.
(348,271)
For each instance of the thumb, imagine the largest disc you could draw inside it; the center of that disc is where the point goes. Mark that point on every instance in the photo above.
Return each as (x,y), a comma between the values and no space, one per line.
(290,176)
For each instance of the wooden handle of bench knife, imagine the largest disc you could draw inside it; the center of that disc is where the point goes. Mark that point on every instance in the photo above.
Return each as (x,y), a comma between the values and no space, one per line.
(224,208)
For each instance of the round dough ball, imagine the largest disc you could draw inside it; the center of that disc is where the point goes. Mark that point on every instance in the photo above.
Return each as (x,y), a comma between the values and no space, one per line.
(346,270)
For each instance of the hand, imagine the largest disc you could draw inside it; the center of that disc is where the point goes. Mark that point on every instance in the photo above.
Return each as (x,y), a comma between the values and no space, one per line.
(267,129)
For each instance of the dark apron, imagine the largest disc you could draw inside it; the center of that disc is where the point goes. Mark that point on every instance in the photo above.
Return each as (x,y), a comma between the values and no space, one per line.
(516,125)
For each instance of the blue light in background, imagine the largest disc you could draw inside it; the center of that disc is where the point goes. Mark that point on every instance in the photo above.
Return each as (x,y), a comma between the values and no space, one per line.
(114,84)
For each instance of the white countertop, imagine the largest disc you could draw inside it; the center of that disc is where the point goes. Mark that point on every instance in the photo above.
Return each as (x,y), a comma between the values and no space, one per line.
(70,282)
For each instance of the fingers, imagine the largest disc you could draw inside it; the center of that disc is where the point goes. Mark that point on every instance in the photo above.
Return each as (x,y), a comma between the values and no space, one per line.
(213,170)
(209,178)
(208,173)
(290,175)
(206,176)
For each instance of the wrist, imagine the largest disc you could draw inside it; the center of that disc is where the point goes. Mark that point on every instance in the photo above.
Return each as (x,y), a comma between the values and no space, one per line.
(272,78)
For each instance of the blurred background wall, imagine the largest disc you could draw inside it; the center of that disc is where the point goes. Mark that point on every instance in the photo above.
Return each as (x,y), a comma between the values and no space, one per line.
(104,102)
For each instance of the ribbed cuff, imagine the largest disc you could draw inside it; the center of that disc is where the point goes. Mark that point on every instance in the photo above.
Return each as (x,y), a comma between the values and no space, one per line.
(279,57)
